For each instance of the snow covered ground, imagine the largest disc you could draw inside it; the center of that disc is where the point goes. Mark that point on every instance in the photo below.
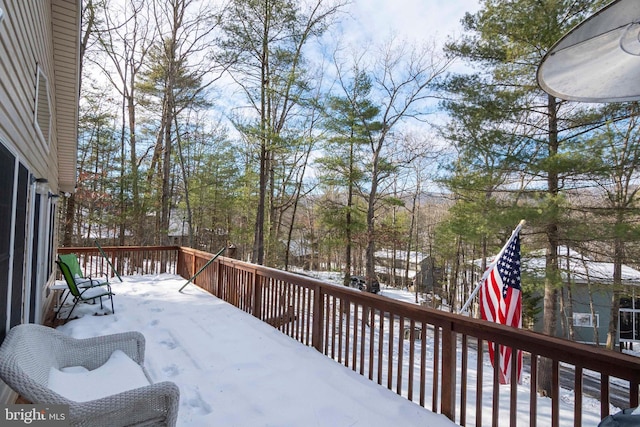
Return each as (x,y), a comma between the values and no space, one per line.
(234,370)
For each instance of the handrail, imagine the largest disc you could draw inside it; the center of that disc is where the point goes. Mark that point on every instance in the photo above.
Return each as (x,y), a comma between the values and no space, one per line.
(127,260)
(407,348)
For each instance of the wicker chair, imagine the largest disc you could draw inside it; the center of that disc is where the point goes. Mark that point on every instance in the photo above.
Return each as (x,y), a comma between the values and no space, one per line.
(29,352)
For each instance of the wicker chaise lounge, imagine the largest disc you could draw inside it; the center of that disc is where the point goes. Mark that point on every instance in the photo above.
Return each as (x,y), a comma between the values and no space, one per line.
(30,353)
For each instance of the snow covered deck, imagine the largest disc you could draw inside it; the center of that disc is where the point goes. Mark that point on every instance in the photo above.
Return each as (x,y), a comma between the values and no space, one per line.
(235,370)
(444,368)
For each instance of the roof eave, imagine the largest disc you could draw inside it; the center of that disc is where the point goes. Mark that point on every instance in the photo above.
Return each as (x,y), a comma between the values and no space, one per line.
(66,28)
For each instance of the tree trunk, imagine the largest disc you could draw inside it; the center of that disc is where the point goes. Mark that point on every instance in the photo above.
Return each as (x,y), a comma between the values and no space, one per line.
(550,313)
(138,213)
(166,176)
(185,180)
(258,240)
(567,308)
(69,220)
(617,286)
(371,207)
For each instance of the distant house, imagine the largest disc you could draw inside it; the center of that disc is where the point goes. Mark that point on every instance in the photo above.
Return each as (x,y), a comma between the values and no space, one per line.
(391,266)
(39,87)
(585,301)
(301,255)
(407,269)
(178,233)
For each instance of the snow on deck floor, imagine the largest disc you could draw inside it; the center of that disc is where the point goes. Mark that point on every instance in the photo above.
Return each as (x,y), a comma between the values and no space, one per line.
(235,370)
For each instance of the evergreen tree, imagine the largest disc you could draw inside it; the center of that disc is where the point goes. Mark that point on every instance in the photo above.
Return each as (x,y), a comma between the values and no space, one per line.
(402,79)
(614,167)
(173,82)
(265,42)
(507,41)
(349,121)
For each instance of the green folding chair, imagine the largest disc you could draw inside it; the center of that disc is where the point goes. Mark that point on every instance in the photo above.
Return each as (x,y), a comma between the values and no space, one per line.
(84,294)
(74,265)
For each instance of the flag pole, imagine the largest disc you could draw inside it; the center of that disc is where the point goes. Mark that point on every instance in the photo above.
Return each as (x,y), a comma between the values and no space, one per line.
(108,261)
(203,267)
(484,275)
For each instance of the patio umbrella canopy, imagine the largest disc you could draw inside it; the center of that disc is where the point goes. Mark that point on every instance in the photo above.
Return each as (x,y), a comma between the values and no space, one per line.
(599,60)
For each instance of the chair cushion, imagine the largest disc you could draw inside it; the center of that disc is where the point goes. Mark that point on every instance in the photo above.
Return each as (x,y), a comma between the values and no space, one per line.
(95,292)
(86,282)
(118,374)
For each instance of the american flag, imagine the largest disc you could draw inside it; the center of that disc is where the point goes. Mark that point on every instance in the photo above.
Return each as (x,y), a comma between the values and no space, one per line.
(501,301)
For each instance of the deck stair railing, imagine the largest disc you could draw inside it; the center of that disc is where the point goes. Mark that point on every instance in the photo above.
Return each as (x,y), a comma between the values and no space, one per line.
(437,359)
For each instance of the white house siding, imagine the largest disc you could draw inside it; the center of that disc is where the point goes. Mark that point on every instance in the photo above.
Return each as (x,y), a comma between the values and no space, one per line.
(34,35)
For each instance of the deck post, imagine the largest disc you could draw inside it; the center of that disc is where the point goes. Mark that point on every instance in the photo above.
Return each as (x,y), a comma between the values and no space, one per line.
(317,318)
(193,263)
(448,378)
(180,261)
(257,295)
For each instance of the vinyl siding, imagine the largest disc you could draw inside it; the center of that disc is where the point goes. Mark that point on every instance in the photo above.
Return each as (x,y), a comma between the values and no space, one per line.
(45,34)
(23,43)
(36,35)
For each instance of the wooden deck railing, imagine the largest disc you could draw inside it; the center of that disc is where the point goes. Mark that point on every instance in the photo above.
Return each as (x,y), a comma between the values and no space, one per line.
(126,260)
(409,349)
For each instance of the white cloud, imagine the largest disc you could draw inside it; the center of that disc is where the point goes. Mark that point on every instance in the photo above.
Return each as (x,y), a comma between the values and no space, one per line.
(411,19)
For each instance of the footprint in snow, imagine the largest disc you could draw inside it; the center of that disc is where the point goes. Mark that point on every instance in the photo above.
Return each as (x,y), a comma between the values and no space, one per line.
(171,370)
(169,344)
(198,403)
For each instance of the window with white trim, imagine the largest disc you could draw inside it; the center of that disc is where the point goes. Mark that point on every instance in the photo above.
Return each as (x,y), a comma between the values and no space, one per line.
(629,319)
(7,186)
(42,119)
(586,320)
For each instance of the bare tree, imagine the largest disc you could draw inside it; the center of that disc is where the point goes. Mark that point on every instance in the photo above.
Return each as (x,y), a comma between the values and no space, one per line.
(179,70)
(402,78)
(266,40)
(126,44)
(91,24)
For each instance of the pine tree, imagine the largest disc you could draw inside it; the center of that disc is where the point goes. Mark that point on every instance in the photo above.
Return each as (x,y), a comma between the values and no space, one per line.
(505,43)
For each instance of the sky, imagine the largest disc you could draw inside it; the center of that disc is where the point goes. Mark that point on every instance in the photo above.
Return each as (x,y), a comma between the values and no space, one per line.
(413,19)
(371,23)
(235,370)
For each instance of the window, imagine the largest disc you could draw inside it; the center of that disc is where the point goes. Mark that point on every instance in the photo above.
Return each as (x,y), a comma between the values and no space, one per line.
(586,320)
(7,172)
(20,227)
(34,259)
(629,319)
(52,239)
(42,108)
